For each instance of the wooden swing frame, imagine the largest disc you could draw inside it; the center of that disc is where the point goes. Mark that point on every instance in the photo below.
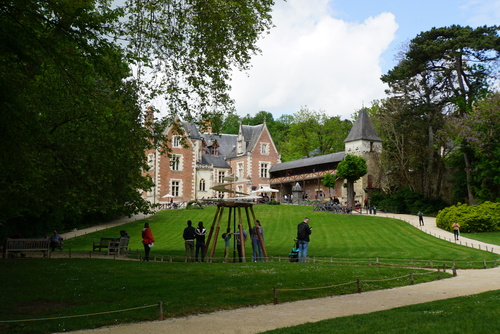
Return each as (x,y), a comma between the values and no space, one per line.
(235,212)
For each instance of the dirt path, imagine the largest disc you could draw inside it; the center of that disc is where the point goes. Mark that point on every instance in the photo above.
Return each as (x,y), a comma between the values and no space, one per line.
(267,317)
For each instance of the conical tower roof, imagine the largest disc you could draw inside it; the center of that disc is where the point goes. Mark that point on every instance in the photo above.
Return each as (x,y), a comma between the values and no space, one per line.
(363,129)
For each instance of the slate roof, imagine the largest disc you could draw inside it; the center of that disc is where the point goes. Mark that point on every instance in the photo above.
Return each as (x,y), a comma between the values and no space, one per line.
(251,134)
(191,130)
(227,143)
(306,162)
(216,161)
(363,129)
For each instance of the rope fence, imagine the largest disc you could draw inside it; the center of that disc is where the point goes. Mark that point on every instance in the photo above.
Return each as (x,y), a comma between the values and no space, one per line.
(414,263)
(159,305)
(358,283)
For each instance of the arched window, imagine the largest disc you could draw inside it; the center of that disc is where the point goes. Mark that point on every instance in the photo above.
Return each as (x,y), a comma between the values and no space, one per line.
(202,185)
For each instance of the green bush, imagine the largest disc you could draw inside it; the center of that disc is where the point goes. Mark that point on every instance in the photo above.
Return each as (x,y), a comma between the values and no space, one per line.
(472,219)
(273,203)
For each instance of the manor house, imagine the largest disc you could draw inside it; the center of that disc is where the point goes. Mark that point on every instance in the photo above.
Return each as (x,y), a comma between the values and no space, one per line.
(200,161)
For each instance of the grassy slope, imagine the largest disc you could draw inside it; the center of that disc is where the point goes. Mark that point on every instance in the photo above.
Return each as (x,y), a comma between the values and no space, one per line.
(334,235)
(80,286)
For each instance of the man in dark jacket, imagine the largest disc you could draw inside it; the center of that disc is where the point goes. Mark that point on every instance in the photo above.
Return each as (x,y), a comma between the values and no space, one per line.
(303,233)
(189,235)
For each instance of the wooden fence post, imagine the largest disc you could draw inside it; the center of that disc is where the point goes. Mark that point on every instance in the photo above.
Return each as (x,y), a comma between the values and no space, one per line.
(411,279)
(160,310)
(275,292)
(454,271)
(439,274)
(358,282)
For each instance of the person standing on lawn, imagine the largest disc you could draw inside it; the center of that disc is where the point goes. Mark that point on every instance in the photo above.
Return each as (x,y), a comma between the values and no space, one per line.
(200,233)
(303,233)
(189,236)
(257,231)
(147,241)
(227,244)
(241,238)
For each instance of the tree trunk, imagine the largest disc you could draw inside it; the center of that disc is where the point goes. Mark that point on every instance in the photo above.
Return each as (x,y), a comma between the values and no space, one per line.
(350,194)
(470,194)
(429,177)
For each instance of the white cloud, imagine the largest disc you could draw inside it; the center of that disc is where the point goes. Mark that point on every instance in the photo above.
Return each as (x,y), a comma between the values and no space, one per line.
(313,59)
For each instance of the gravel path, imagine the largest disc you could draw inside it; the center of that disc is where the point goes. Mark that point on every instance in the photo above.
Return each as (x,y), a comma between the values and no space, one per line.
(267,317)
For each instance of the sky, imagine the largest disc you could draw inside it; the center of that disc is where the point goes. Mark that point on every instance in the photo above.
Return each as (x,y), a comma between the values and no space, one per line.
(329,55)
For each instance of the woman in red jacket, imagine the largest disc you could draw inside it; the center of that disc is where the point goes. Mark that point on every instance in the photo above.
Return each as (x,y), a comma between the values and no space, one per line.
(147,240)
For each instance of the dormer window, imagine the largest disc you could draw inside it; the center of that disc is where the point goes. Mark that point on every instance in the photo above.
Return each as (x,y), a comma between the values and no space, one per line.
(214,149)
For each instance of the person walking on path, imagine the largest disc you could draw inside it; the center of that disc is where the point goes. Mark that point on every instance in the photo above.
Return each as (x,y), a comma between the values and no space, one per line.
(303,233)
(456,229)
(189,236)
(257,231)
(420,218)
(200,233)
(147,240)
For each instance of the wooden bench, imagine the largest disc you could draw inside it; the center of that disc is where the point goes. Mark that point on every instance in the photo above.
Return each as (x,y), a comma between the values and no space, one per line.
(103,243)
(118,247)
(21,246)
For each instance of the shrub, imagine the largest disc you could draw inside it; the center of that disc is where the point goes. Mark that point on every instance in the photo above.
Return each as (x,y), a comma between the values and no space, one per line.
(476,218)
(273,203)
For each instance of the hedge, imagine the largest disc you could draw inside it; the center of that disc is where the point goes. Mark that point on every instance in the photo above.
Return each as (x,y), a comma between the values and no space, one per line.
(475,218)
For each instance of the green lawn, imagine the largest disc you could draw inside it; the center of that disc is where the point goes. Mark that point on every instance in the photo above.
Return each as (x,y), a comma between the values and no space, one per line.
(487,237)
(66,287)
(476,314)
(335,237)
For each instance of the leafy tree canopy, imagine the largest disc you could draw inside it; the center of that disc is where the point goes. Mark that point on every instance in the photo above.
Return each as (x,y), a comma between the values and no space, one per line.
(351,169)
(72,138)
(313,133)
(455,61)
(444,72)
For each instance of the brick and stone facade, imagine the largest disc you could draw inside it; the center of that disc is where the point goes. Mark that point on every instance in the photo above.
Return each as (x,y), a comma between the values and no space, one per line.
(199,161)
